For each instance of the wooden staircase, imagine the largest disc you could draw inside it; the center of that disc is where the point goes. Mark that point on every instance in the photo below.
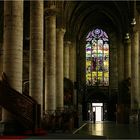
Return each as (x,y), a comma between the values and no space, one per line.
(23,107)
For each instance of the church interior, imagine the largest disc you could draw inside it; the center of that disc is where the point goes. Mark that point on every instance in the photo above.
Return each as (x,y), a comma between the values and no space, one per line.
(69,67)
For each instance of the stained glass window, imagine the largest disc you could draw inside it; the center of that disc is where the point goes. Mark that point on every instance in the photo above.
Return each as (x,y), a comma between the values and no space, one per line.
(97,58)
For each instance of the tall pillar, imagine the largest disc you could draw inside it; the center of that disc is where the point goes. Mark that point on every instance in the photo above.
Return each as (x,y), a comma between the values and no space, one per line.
(36,51)
(119,114)
(1,70)
(50,66)
(113,68)
(66,59)
(123,106)
(13,47)
(120,70)
(113,75)
(135,70)
(72,67)
(71,62)
(13,43)
(127,58)
(59,69)
(1,59)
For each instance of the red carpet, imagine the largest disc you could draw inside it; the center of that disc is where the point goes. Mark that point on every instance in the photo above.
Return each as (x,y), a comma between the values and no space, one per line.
(37,132)
(13,137)
(26,134)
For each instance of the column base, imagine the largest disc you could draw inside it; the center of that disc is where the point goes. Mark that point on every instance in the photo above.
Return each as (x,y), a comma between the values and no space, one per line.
(10,128)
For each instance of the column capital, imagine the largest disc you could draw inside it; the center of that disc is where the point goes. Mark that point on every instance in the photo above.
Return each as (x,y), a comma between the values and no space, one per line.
(61,30)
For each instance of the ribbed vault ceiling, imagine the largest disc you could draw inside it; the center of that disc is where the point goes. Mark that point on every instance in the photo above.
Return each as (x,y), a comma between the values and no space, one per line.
(82,16)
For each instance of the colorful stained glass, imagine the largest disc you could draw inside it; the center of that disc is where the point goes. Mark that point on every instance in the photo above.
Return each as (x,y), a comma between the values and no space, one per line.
(97,58)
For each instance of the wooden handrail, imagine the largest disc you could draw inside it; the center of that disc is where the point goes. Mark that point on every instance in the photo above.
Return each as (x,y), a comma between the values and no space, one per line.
(22,106)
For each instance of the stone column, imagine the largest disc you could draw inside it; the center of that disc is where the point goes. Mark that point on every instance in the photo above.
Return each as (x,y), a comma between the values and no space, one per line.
(71,63)
(1,69)
(123,105)
(66,59)
(127,58)
(120,69)
(59,69)
(119,113)
(113,68)
(1,59)
(72,67)
(135,70)
(13,47)
(113,74)
(36,51)
(13,43)
(50,66)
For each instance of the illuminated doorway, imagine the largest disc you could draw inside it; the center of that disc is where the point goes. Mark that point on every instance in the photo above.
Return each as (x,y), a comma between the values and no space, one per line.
(95,112)
(98,109)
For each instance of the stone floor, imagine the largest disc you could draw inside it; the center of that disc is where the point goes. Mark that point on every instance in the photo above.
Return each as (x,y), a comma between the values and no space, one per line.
(111,130)
(100,130)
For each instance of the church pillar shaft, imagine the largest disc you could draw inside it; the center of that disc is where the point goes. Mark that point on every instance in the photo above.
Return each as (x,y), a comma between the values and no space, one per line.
(66,59)
(1,59)
(50,74)
(135,71)
(71,63)
(13,40)
(127,59)
(36,51)
(72,67)
(59,69)
(120,70)
(13,47)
